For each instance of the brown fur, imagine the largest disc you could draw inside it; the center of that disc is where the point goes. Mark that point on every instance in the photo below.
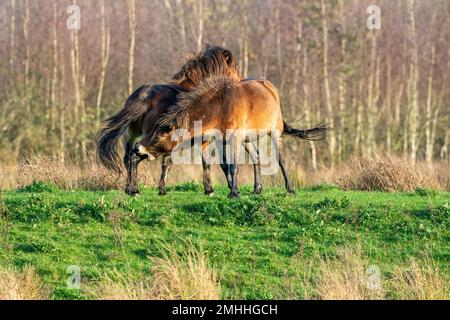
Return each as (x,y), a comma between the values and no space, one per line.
(146,105)
(221,103)
(224,104)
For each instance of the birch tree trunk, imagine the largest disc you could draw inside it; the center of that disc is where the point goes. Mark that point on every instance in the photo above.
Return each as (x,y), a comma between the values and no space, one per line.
(429,122)
(359,118)
(200,15)
(13,36)
(168,6)
(104,59)
(182,24)
(306,107)
(414,76)
(281,72)
(332,137)
(131,49)
(55,67)
(388,104)
(342,83)
(78,79)
(244,39)
(62,114)
(370,142)
(26,37)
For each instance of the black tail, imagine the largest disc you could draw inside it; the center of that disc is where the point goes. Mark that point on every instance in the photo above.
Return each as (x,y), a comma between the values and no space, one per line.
(314,134)
(114,127)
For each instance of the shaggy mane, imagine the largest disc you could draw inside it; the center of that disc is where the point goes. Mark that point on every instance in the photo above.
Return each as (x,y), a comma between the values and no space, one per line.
(178,115)
(212,61)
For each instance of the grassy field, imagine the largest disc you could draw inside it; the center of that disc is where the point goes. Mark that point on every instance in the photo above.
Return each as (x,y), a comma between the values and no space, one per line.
(311,245)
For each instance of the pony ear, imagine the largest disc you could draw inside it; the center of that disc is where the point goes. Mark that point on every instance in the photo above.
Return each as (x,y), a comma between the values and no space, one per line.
(227,55)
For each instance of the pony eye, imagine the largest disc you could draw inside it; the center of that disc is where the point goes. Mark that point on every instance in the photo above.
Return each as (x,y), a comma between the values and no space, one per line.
(227,55)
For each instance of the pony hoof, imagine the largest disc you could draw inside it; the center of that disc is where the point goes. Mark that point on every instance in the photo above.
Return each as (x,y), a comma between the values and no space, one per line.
(257,191)
(210,194)
(162,193)
(234,195)
(134,194)
(291,191)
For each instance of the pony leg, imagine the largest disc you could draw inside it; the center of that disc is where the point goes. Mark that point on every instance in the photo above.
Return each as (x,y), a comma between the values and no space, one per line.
(165,168)
(254,156)
(233,168)
(206,163)
(130,189)
(131,161)
(225,167)
(287,181)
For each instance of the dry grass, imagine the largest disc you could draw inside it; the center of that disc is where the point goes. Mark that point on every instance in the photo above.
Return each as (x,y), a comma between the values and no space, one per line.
(386,174)
(67,176)
(20,285)
(173,277)
(420,281)
(373,174)
(345,278)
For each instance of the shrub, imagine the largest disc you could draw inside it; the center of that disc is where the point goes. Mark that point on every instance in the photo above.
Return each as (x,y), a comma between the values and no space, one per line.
(386,174)
(38,186)
(188,186)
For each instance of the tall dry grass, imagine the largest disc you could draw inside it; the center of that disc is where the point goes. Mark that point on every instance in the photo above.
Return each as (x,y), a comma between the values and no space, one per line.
(67,175)
(21,285)
(386,173)
(187,277)
(421,280)
(346,278)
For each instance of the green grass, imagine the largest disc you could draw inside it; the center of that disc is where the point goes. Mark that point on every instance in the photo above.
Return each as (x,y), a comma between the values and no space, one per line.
(258,243)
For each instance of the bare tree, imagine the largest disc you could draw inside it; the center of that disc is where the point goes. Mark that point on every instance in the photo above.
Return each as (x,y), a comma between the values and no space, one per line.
(55,66)
(429,120)
(131,49)
(26,36)
(413,87)
(104,58)
(13,35)
(326,81)
(201,21)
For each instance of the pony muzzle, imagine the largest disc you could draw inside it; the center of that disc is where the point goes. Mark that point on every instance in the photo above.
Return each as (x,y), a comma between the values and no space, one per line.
(143,151)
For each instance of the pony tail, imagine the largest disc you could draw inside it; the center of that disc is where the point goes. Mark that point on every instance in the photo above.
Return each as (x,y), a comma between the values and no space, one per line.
(314,134)
(113,128)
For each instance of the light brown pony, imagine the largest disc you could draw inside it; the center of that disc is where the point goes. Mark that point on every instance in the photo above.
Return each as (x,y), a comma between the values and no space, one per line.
(223,103)
(147,104)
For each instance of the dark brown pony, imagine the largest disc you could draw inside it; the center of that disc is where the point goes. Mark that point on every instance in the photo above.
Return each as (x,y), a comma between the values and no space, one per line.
(224,103)
(147,104)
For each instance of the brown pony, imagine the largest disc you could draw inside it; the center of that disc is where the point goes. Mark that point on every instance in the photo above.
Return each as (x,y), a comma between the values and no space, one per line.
(147,104)
(224,103)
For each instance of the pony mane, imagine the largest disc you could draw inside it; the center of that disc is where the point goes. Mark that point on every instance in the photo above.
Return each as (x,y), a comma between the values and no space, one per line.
(178,115)
(212,61)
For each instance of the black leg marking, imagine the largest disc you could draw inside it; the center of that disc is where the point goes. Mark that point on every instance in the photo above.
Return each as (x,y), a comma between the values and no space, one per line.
(165,168)
(287,181)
